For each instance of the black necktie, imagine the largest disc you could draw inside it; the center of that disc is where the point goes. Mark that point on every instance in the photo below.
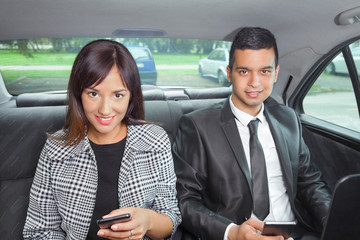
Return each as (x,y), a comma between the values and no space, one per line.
(258,173)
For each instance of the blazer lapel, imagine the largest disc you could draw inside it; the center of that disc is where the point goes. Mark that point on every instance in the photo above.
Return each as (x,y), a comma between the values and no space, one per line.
(228,124)
(282,148)
(126,162)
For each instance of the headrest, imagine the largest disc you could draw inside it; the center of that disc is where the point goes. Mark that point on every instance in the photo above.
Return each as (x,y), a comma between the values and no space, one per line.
(40,99)
(208,93)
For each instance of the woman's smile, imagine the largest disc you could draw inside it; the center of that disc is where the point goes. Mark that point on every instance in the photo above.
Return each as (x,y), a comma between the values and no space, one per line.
(105,120)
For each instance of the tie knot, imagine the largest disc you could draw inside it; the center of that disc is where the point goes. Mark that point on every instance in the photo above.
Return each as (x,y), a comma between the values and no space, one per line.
(253,126)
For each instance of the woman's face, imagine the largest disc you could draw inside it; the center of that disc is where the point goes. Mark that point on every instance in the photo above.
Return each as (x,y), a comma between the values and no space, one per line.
(105,106)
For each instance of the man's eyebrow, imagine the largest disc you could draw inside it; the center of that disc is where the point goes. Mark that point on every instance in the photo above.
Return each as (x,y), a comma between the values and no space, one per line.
(246,68)
(267,67)
(241,67)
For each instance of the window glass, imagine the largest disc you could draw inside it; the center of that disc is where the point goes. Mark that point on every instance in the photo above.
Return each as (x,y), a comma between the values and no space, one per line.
(332,97)
(44,65)
(221,56)
(213,55)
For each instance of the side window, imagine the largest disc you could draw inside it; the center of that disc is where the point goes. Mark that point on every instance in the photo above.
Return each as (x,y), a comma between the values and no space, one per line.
(212,56)
(221,56)
(332,97)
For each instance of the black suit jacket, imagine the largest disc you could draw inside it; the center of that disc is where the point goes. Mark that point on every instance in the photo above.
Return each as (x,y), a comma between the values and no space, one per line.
(214,183)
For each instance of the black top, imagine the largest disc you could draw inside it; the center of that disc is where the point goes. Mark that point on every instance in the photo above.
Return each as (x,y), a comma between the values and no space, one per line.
(108,159)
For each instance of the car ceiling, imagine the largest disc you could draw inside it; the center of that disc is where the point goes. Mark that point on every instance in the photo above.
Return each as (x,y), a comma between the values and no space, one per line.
(305,30)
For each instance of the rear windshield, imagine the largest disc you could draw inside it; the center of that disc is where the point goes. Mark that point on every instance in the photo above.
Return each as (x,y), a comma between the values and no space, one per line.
(44,65)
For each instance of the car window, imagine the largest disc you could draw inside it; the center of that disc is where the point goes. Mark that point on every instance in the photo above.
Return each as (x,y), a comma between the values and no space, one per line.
(332,96)
(139,53)
(44,65)
(213,55)
(221,56)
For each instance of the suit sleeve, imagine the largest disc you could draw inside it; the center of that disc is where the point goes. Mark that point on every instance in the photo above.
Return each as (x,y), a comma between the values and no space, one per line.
(43,219)
(191,169)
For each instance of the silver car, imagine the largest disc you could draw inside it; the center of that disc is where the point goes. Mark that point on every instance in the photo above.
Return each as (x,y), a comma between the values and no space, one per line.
(214,65)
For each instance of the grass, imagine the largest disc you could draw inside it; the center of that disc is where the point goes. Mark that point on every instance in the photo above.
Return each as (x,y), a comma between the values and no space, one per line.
(8,57)
(41,58)
(10,75)
(172,59)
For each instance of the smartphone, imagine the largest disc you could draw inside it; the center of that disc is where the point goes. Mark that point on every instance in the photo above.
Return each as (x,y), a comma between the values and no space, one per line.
(278,228)
(107,222)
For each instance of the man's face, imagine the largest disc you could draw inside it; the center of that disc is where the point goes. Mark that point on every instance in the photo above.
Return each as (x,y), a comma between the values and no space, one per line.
(253,76)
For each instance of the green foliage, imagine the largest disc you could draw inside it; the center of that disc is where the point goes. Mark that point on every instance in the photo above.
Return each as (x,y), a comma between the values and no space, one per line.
(28,47)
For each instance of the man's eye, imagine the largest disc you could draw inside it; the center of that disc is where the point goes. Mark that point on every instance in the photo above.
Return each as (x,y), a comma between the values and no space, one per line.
(243,72)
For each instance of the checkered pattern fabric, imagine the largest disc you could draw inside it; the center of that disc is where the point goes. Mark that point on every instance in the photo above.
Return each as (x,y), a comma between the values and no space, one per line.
(63,193)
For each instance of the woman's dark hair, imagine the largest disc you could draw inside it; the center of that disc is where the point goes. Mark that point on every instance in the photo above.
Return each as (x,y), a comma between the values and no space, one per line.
(91,66)
(254,38)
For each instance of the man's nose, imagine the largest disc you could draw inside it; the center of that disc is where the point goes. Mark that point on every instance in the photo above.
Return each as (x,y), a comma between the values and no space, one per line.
(254,80)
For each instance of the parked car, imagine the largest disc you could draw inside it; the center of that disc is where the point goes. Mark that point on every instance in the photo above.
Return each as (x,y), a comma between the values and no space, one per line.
(145,63)
(40,39)
(338,64)
(214,65)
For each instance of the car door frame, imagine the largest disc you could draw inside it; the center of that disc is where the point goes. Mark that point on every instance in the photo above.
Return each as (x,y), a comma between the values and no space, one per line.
(334,149)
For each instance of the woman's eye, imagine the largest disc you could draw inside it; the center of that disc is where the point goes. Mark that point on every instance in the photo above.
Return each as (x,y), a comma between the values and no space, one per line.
(118,95)
(93,94)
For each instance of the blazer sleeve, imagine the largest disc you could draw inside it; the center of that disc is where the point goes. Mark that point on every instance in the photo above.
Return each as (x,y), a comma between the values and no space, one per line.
(43,220)
(165,200)
(190,166)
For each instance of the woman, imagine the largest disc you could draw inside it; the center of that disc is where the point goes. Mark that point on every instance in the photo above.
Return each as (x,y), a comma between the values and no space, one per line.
(106,161)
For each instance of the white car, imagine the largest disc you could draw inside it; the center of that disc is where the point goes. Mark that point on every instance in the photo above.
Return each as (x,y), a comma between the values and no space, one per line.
(214,65)
(338,64)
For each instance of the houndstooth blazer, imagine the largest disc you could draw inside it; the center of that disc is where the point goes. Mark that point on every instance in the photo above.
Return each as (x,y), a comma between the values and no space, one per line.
(62,196)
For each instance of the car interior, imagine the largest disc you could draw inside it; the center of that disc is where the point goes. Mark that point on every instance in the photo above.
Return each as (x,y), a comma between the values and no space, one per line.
(314,38)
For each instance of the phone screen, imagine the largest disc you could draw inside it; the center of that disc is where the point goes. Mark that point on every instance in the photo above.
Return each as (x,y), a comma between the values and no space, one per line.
(107,222)
(278,228)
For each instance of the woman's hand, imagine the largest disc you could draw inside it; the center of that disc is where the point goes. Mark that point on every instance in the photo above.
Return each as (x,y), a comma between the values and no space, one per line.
(143,222)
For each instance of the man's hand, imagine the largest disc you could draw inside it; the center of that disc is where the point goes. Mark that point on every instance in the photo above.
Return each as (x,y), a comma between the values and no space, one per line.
(249,230)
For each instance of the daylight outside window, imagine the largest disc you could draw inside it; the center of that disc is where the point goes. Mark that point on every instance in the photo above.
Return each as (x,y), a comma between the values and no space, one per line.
(44,65)
(332,96)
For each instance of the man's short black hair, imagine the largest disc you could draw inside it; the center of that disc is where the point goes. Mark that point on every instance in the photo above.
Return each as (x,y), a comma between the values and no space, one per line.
(254,38)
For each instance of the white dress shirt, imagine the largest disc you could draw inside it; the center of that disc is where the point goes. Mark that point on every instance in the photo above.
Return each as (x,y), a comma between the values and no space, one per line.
(280,209)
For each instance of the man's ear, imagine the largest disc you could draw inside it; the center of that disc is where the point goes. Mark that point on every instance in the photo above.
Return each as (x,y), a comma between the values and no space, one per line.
(276,72)
(228,71)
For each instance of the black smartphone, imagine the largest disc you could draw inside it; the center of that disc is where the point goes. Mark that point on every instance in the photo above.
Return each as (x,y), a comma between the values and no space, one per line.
(278,228)
(107,222)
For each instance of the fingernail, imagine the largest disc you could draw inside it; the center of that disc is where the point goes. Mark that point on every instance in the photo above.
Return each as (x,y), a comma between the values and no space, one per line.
(114,227)
(101,233)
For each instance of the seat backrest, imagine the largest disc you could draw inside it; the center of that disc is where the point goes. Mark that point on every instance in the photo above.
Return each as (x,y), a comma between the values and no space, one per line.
(23,134)
(344,216)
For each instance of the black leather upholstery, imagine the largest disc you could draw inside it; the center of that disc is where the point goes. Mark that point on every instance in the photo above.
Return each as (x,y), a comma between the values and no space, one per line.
(23,134)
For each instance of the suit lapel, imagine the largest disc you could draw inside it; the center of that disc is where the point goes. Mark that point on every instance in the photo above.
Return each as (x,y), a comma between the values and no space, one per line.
(229,127)
(281,148)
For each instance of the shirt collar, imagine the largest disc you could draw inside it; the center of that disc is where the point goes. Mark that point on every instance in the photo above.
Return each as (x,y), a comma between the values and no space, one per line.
(243,117)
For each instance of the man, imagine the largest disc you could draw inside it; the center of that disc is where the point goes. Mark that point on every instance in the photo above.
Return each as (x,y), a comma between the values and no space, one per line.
(213,152)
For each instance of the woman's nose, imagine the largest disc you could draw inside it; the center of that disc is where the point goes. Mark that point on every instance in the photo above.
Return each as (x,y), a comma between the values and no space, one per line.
(105,107)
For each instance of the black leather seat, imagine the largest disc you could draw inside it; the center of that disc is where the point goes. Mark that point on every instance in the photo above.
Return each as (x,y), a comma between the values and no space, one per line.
(23,134)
